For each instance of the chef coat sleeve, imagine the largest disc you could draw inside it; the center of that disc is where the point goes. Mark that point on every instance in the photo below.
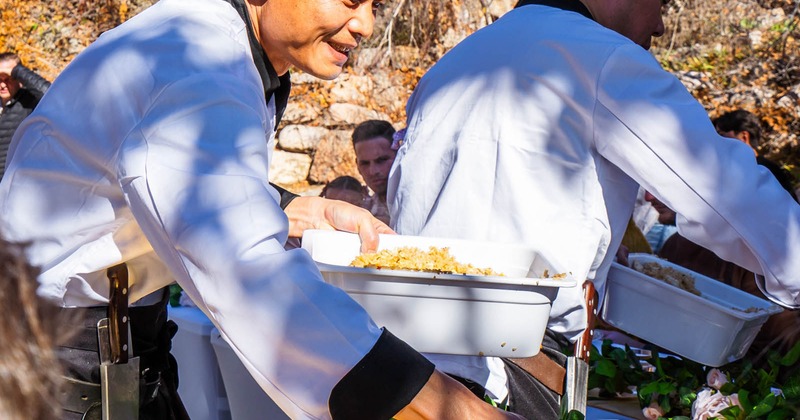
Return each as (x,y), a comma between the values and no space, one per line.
(194,172)
(647,124)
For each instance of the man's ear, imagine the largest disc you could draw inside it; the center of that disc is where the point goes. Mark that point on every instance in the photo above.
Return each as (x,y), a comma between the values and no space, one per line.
(745,137)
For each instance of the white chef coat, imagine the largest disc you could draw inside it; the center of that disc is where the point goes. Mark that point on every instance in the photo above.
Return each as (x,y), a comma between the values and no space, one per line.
(150,149)
(539,128)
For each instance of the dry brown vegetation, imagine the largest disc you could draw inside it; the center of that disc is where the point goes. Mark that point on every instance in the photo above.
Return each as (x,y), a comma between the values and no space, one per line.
(709,44)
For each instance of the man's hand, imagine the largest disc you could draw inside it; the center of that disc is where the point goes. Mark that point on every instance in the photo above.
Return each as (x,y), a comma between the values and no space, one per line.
(444,398)
(321,213)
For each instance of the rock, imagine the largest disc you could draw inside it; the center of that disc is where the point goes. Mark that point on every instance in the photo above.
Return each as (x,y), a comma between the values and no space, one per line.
(366,58)
(791,99)
(289,168)
(351,88)
(695,80)
(350,114)
(310,191)
(755,37)
(404,57)
(299,78)
(301,138)
(390,94)
(771,18)
(334,157)
(298,112)
(498,8)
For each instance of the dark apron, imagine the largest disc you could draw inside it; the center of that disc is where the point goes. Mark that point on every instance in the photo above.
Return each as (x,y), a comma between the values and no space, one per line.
(151,334)
(527,396)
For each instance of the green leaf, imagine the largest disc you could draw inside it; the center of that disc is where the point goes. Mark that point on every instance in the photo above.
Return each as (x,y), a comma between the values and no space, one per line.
(574,415)
(780,414)
(606,368)
(763,407)
(791,389)
(744,400)
(648,388)
(792,356)
(594,355)
(665,388)
(687,398)
(729,388)
(731,413)
(663,401)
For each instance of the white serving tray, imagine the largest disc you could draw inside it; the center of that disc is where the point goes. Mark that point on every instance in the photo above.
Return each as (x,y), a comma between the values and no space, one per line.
(712,329)
(448,313)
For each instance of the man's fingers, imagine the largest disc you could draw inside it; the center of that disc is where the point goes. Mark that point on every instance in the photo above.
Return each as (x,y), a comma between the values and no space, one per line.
(368,234)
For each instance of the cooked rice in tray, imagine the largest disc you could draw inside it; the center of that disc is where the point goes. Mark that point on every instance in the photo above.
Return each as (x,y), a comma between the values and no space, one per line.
(666,274)
(435,260)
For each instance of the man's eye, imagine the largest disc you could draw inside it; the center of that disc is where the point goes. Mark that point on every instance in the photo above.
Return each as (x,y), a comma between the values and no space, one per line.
(377,6)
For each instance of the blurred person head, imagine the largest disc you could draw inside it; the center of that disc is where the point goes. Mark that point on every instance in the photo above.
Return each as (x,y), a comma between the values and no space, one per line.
(345,188)
(741,125)
(9,86)
(666,216)
(638,20)
(30,374)
(372,142)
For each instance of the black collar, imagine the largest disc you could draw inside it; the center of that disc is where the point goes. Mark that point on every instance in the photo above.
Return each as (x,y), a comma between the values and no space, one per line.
(571,5)
(273,84)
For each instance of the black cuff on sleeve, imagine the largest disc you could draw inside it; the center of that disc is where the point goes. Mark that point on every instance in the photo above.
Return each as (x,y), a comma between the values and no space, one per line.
(382,383)
(286,196)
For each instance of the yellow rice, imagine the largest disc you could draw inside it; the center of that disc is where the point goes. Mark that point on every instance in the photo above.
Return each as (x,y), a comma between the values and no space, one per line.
(435,260)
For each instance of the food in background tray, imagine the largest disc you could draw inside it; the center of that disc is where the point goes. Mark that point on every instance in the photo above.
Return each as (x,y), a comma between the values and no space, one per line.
(435,260)
(557,276)
(666,274)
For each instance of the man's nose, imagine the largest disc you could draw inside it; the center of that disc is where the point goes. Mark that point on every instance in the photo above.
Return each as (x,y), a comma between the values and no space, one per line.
(362,22)
(660,28)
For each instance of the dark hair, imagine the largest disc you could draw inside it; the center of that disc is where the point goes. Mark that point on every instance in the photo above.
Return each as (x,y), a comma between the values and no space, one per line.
(344,182)
(29,333)
(373,128)
(9,56)
(739,121)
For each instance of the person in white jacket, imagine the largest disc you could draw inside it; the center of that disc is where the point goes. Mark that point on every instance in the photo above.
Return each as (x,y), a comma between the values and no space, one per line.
(540,128)
(152,149)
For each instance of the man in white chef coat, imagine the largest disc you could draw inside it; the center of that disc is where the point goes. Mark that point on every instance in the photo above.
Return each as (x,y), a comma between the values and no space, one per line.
(539,129)
(147,163)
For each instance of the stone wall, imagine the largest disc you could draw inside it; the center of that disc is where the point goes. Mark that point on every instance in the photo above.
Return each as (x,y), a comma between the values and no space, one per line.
(313,141)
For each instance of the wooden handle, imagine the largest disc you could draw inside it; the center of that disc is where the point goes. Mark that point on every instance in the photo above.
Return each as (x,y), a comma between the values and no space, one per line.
(584,344)
(118,312)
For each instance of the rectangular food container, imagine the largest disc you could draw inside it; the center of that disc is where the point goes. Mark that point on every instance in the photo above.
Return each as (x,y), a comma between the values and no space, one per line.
(713,329)
(447,313)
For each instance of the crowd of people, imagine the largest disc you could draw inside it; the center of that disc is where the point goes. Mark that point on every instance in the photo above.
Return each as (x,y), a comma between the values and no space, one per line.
(550,149)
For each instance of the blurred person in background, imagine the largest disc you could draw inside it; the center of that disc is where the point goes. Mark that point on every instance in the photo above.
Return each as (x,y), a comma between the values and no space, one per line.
(20,90)
(346,188)
(745,126)
(30,374)
(372,142)
(660,232)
